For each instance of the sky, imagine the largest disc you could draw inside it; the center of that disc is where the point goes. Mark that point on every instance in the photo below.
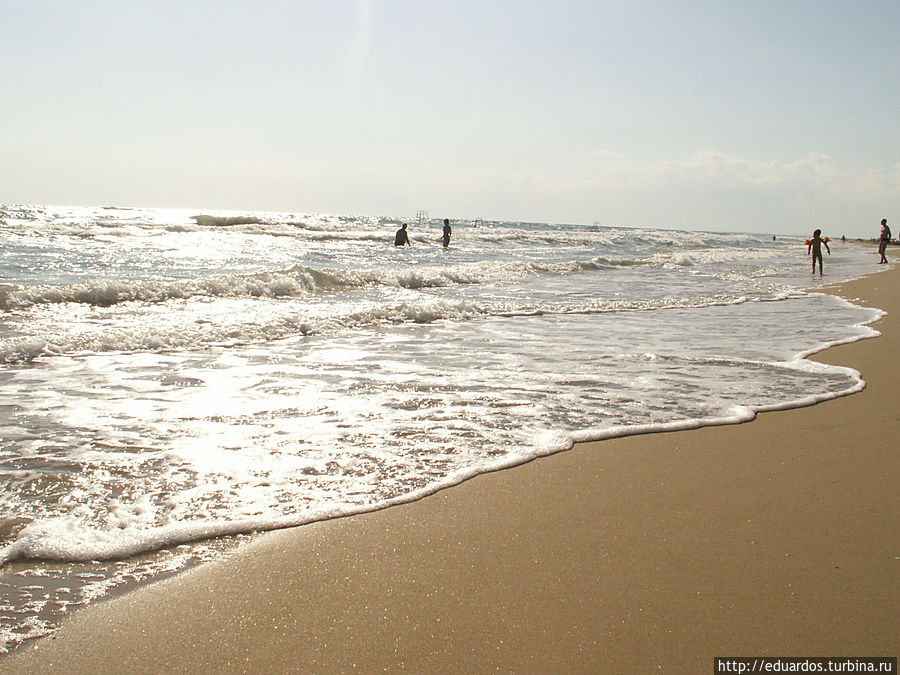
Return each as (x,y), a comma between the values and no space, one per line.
(729,115)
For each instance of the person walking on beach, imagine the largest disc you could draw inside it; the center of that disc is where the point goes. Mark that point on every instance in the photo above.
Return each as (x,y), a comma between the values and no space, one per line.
(402,237)
(883,240)
(815,245)
(447,232)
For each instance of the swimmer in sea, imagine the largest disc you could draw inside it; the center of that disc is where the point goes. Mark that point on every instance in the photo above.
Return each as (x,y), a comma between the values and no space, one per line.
(402,237)
(447,232)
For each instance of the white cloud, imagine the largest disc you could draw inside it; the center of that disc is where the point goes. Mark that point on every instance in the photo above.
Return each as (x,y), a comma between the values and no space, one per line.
(711,170)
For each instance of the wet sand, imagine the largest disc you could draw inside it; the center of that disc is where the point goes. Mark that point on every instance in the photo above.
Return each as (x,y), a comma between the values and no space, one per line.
(650,553)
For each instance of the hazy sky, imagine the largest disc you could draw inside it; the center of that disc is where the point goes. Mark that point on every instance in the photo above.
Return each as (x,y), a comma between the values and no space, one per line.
(748,115)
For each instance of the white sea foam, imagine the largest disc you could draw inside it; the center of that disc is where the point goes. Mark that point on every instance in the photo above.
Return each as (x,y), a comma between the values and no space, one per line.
(166,381)
(298,281)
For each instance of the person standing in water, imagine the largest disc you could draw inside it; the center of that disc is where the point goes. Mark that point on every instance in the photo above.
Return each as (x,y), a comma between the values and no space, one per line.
(402,237)
(445,239)
(883,240)
(815,245)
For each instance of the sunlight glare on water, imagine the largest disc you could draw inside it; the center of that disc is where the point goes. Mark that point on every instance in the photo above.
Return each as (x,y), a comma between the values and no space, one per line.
(165,381)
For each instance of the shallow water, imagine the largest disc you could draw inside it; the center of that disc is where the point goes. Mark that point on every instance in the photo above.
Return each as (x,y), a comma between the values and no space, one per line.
(167,379)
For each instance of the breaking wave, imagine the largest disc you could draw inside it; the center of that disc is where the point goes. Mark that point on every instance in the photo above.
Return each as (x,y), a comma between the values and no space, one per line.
(225,221)
(295,282)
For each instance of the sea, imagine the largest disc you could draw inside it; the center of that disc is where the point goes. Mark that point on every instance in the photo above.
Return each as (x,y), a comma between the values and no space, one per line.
(174,381)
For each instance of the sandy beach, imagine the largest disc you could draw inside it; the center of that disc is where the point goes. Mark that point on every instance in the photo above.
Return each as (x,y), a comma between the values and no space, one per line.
(650,553)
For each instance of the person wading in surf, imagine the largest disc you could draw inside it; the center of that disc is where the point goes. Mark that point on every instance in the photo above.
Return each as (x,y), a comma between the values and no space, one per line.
(815,245)
(402,237)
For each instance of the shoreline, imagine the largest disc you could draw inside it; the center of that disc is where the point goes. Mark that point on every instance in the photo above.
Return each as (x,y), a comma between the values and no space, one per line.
(775,537)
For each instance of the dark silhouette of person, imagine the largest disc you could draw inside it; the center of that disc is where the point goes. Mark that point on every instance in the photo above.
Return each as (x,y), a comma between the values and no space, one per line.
(402,237)
(815,245)
(883,240)
(447,232)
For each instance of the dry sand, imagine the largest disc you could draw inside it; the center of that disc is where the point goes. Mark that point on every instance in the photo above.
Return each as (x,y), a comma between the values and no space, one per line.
(644,554)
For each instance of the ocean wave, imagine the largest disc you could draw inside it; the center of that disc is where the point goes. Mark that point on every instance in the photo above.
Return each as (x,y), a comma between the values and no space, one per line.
(295,282)
(602,262)
(186,326)
(108,292)
(225,221)
(73,538)
(21,212)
